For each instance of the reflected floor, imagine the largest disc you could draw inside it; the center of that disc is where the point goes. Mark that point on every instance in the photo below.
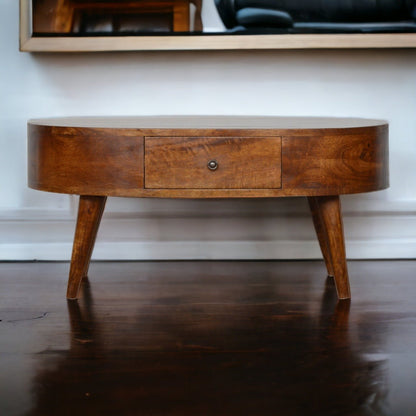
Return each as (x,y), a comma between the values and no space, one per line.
(208,338)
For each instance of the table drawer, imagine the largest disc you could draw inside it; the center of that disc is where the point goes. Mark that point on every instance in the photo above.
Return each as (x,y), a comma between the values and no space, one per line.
(213,162)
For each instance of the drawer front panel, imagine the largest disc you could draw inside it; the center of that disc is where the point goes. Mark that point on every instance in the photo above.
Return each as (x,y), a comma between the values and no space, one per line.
(213,162)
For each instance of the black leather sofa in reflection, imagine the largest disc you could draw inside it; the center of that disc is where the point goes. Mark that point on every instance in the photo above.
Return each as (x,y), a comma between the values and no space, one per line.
(318,16)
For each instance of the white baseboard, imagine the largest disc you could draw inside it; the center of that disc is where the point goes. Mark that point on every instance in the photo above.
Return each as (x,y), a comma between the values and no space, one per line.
(287,234)
(213,250)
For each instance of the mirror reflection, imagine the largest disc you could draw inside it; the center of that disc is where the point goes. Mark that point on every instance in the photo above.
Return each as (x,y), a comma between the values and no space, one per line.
(179,364)
(109,17)
(180,17)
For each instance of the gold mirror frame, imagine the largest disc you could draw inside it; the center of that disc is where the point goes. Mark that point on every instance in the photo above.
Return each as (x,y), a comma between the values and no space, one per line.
(29,43)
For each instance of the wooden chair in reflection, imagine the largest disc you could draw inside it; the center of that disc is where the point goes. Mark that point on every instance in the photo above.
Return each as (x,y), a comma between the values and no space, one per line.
(86,17)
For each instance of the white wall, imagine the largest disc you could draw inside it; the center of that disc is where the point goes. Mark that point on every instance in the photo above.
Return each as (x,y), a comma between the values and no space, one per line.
(367,83)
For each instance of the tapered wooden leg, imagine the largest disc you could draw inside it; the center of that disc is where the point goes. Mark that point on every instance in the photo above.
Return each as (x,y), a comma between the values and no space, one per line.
(321,233)
(90,211)
(329,208)
(95,231)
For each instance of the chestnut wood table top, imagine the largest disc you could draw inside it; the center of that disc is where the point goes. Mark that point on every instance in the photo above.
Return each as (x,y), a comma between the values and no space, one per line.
(209,122)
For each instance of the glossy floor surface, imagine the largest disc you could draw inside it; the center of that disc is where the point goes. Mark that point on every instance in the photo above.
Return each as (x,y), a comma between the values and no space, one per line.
(208,338)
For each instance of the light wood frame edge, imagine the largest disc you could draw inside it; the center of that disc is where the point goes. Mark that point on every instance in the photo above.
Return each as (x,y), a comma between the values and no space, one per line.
(205,42)
(25,24)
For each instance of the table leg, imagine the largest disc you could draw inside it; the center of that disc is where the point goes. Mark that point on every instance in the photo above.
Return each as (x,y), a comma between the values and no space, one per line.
(321,234)
(326,212)
(198,19)
(90,211)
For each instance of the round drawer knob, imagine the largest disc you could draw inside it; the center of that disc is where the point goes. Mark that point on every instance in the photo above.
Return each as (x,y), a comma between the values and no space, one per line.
(212,165)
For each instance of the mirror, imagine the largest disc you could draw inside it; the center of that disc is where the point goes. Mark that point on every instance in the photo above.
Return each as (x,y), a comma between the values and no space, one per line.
(104,25)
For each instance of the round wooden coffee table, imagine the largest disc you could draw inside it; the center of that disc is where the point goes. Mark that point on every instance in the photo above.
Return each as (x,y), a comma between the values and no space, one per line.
(209,157)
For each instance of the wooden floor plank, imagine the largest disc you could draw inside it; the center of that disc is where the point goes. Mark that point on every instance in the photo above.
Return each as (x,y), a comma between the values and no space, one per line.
(208,338)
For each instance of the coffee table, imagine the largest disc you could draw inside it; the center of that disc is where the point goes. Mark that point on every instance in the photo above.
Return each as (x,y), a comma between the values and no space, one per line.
(209,157)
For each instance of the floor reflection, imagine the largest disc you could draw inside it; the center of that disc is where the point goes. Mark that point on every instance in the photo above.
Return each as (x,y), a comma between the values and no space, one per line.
(255,360)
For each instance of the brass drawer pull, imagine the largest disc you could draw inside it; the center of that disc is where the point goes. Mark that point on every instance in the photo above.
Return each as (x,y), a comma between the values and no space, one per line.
(212,165)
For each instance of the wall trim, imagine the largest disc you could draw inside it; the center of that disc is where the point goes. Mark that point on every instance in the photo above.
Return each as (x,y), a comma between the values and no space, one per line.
(213,250)
(47,235)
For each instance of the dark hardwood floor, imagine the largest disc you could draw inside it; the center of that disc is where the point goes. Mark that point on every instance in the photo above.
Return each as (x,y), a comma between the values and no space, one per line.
(208,338)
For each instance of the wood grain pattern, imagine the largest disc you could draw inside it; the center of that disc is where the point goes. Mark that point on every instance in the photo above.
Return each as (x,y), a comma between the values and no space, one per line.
(208,339)
(321,233)
(344,158)
(336,163)
(96,210)
(243,162)
(84,161)
(329,208)
(90,211)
